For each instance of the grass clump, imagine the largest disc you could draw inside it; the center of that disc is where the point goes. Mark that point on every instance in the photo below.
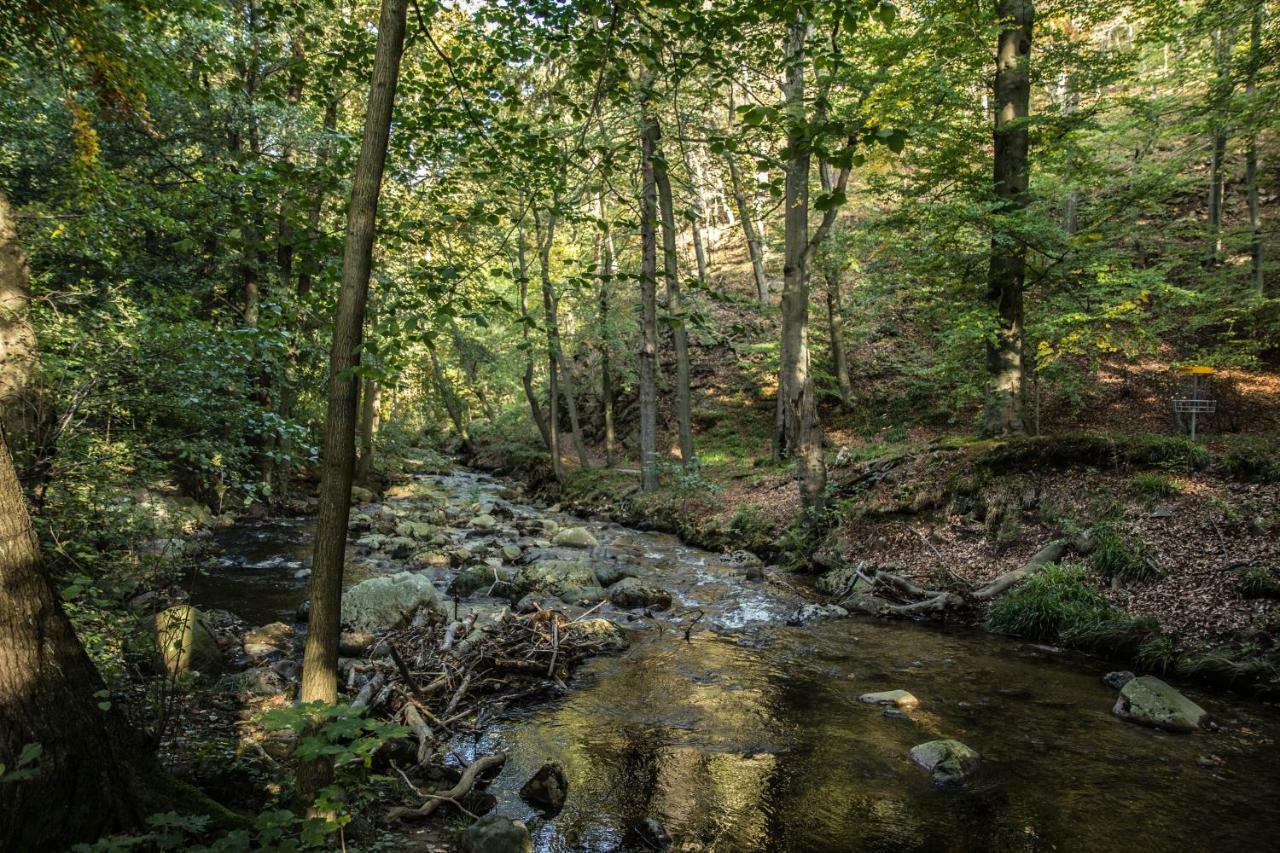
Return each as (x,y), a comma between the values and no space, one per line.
(1117,557)
(1155,485)
(1258,582)
(1056,603)
(1158,653)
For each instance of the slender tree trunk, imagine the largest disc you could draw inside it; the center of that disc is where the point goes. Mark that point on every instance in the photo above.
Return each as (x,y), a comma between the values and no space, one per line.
(794,352)
(798,432)
(754,250)
(450,400)
(1223,39)
(604,268)
(648,301)
(555,352)
(369,398)
(1007,272)
(835,325)
(22,403)
(539,420)
(320,660)
(1251,154)
(330,126)
(680,331)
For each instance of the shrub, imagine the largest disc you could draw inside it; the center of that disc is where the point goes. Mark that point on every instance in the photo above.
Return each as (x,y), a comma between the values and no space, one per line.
(1115,556)
(1108,634)
(1258,583)
(1158,653)
(1155,485)
(1055,603)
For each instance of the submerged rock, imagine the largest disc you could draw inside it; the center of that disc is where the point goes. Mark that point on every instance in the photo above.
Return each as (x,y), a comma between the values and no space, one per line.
(1117,680)
(575,537)
(631,593)
(602,633)
(651,835)
(496,834)
(547,789)
(1148,701)
(383,603)
(807,613)
(186,642)
(896,698)
(949,762)
(610,573)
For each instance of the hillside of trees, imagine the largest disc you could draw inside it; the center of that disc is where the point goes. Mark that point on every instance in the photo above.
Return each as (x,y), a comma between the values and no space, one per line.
(965,313)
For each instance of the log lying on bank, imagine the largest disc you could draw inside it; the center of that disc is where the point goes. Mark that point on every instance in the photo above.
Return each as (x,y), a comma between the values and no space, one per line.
(475,770)
(889,594)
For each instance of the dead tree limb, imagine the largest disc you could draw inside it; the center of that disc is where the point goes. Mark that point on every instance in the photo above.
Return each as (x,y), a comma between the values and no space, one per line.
(468,781)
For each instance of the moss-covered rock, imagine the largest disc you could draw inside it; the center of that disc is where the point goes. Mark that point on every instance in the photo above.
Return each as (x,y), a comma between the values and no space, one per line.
(481,577)
(570,581)
(949,762)
(383,603)
(186,642)
(575,537)
(631,593)
(1149,701)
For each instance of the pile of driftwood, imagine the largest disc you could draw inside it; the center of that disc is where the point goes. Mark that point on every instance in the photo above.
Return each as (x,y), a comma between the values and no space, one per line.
(442,679)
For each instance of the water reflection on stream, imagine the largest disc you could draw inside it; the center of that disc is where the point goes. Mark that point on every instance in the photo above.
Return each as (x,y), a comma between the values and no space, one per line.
(750,736)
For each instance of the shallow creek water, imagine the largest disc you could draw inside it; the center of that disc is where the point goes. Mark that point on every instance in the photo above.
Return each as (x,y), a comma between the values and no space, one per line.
(750,735)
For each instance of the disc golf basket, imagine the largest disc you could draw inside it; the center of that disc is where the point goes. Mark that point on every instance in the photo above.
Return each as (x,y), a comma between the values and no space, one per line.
(1194,395)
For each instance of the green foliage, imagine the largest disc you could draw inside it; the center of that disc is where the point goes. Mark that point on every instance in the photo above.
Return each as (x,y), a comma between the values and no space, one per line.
(1253,460)
(1118,556)
(1258,582)
(26,767)
(1055,602)
(1154,485)
(1158,653)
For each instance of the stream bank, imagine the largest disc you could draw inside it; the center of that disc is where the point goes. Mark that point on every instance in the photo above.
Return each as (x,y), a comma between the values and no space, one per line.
(733,730)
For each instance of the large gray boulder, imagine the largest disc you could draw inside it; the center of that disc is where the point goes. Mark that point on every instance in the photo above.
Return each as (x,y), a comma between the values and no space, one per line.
(632,593)
(481,577)
(571,581)
(185,641)
(949,762)
(1148,701)
(575,537)
(496,834)
(383,603)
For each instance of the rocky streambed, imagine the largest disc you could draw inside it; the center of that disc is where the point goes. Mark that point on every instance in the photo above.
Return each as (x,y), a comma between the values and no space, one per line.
(743,717)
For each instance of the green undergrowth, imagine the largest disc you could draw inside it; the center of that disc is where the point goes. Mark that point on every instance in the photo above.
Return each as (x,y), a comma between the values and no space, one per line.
(1119,556)
(1054,605)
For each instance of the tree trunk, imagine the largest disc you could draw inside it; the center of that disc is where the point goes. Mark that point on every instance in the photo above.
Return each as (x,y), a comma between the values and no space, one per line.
(22,405)
(754,251)
(1251,154)
(320,660)
(604,268)
(797,430)
(835,325)
(1223,39)
(471,367)
(450,400)
(648,301)
(555,353)
(89,781)
(526,321)
(794,352)
(369,397)
(1007,272)
(679,331)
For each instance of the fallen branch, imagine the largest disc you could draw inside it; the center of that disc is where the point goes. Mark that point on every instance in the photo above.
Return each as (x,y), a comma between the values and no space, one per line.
(468,781)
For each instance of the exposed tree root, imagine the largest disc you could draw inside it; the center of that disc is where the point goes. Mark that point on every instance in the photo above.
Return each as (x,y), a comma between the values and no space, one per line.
(892,594)
(470,776)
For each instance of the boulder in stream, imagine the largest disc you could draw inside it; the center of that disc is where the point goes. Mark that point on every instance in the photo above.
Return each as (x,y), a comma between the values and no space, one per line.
(575,537)
(602,633)
(481,577)
(1148,701)
(186,642)
(610,573)
(949,762)
(383,603)
(632,593)
(496,834)
(896,698)
(547,789)
(361,495)
(1117,680)
(571,581)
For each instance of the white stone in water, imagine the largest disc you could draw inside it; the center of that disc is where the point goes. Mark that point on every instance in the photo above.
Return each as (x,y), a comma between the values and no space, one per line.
(897,698)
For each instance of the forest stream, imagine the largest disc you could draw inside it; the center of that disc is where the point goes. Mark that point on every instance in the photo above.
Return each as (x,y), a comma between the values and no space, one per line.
(750,734)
